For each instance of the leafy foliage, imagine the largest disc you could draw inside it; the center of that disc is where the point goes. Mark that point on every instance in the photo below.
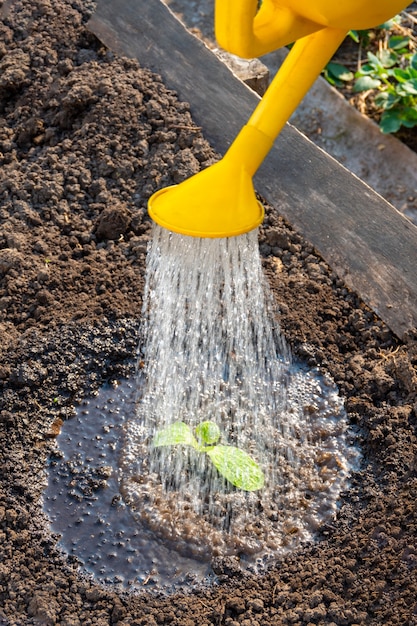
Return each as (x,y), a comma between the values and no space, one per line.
(236,465)
(390,71)
(208,432)
(394,74)
(336,74)
(176,434)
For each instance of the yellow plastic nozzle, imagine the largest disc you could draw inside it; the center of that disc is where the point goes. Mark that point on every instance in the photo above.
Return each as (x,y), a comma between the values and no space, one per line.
(220,201)
(223,211)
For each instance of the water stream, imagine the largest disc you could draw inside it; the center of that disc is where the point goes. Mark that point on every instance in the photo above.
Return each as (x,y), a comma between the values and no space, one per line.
(211,351)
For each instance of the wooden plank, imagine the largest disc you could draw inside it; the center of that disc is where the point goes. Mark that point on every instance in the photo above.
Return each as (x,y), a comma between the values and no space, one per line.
(365,240)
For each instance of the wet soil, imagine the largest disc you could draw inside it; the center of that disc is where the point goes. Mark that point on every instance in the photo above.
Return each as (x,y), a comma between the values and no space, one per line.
(85,138)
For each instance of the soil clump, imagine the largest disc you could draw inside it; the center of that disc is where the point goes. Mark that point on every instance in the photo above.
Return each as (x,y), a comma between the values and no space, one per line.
(85,138)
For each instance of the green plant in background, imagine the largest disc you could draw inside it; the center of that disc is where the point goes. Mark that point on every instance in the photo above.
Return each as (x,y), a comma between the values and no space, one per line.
(391,71)
(234,464)
(337,74)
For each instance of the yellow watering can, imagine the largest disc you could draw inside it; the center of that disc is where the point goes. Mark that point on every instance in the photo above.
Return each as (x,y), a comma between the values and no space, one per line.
(220,201)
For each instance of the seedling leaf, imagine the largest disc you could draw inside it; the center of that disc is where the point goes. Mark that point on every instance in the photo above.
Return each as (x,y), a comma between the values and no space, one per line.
(386,100)
(365,70)
(374,60)
(237,467)
(398,42)
(401,75)
(410,87)
(390,121)
(234,464)
(354,34)
(388,58)
(175,434)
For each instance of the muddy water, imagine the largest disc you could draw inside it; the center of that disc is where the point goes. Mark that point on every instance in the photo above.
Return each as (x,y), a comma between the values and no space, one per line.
(84,503)
(125,531)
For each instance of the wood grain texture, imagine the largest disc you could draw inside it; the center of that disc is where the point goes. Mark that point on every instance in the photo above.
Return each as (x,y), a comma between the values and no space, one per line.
(369,244)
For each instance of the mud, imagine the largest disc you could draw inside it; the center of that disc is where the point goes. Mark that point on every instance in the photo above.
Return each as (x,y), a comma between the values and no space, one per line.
(85,138)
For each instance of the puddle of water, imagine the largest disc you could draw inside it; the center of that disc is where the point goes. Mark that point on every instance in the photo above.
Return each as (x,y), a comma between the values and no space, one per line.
(117,544)
(85,506)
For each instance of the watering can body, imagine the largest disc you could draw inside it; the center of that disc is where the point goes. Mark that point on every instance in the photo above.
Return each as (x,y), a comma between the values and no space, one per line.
(220,201)
(248,32)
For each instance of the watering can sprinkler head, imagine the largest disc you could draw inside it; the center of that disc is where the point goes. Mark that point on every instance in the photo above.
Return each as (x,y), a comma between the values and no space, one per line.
(220,201)
(215,203)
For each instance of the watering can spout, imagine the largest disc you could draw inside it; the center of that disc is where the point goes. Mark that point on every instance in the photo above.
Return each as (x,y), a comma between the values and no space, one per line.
(220,201)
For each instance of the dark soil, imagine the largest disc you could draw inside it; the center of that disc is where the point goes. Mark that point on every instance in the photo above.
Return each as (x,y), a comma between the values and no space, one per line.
(85,138)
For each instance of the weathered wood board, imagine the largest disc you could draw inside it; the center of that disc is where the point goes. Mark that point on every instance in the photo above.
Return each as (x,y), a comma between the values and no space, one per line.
(365,240)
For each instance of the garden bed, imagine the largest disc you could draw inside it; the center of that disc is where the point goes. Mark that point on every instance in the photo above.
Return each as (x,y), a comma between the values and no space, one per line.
(85,138)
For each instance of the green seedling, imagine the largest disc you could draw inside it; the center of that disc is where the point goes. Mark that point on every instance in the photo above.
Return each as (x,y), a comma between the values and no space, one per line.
(234,464)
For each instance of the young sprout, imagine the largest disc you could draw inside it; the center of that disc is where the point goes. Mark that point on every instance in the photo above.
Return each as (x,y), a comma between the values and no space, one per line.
(208,432)
(234,464)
